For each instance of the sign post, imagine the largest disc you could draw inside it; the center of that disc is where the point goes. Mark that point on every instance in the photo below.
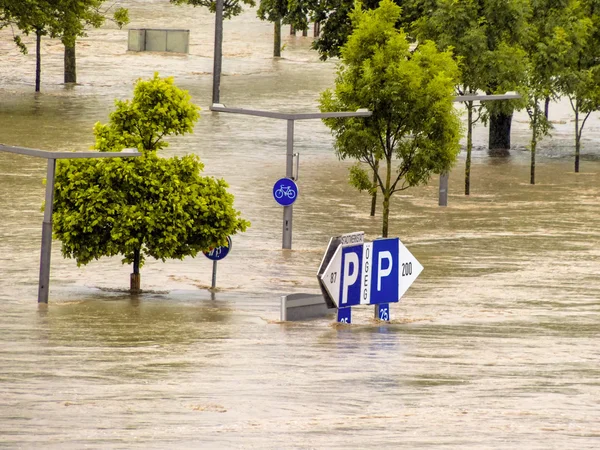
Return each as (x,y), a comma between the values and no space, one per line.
(369,273)
(216,254)
(290,118)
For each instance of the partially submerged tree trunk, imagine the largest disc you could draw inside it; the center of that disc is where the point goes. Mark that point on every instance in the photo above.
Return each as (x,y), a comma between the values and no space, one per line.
(469,147)
(277,38)
(374,195)
(70,64)
(534,127)
(135,281)
(38,59)
(317,29)
(499,137)
(386,198)
(577,139)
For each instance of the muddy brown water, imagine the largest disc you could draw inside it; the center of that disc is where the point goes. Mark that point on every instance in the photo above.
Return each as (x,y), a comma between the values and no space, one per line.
(494,346)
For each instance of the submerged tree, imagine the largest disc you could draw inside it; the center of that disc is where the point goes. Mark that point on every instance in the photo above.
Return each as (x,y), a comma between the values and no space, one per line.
(487,45)
(147,206)
(414,126)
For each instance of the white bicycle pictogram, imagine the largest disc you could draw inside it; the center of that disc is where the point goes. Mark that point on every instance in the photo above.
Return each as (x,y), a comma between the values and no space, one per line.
(285,191)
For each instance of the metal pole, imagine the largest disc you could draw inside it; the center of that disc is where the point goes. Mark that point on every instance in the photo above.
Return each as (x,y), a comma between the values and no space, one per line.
(218,53)
(44,282)
(289,173)
(443,195)
(214,276)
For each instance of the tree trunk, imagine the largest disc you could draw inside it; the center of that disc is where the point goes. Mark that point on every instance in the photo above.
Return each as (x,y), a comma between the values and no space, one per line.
(70,64)
(277,38)
(135,281)
(374,195)
(469,147)
(499,138)
(38,59)
(533,146)
(305,32)
(218,53)
(317,29)
(546,107)
(386,199)
(292,30)
(577,139)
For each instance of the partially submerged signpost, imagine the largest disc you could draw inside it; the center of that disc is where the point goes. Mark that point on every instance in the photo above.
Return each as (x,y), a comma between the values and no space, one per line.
(217,254)
(46,250)
(354,272)
(289,167)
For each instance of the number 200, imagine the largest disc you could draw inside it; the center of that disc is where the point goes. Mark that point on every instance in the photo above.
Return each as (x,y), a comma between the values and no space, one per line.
(406,269)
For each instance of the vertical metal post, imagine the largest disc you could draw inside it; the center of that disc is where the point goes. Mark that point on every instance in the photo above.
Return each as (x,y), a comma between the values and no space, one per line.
(218,53)
(443,201)
(289,173)
(44,281)
(214,275)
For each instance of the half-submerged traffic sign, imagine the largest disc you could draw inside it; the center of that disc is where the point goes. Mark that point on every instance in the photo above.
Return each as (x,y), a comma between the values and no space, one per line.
(370,273)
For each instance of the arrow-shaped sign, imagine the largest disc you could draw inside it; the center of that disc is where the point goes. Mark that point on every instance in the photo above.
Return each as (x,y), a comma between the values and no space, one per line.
(371,273)
(410,269)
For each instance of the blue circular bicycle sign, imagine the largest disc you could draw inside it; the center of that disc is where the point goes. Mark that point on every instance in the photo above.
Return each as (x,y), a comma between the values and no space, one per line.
(285,191)
(218,253)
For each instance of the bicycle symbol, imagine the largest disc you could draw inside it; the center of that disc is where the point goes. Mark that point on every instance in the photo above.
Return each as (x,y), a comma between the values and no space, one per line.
(285,190)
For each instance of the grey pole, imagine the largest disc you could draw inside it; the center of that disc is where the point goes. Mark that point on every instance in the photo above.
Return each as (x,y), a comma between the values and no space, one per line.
(218,53)
(214,276)
(289,173)
(46,252)
(443,201)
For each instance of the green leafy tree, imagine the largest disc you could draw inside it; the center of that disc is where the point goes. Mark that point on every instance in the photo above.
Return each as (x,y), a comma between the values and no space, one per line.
(556,32)
(31,17)
(74,18)
(293,12)
(414,130)
(147,206)
(230,7)
(580,78)
(487,45)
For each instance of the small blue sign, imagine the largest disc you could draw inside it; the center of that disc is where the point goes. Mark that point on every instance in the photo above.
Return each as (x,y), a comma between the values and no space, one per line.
(218,253)
(344,315)
(383,312)
(285,191)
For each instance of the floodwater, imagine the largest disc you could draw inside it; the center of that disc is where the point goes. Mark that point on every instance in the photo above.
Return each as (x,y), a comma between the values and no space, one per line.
(494,346)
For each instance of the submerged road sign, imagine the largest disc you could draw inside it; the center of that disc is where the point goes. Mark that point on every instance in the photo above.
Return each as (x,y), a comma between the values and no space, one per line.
(371,273)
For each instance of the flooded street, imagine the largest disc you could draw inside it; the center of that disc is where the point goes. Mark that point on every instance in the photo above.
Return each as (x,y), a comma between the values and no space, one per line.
(494,346)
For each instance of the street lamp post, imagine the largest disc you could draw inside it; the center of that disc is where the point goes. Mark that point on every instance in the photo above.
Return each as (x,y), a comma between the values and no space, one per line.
(443,188)
(46,248)
(289,163)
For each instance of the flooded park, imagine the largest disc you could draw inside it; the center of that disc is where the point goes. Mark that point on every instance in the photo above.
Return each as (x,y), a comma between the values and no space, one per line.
(495,345)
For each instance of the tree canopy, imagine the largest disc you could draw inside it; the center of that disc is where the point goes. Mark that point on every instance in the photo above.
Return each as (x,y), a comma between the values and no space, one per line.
(414,125)
(147,206)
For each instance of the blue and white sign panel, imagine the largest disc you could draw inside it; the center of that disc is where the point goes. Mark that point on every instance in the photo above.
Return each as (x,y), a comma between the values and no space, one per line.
(218,253)
(285,191)
(371,273)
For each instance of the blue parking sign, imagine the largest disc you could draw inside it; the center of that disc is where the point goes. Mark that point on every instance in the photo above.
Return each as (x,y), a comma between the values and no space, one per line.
(351,276)
(384,279)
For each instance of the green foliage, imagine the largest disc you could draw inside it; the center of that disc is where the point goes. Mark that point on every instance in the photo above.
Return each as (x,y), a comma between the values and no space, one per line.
(163,207)
(230,7)
(359,178)
(157,207)
(414,124)
(158,109)
(66,19)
